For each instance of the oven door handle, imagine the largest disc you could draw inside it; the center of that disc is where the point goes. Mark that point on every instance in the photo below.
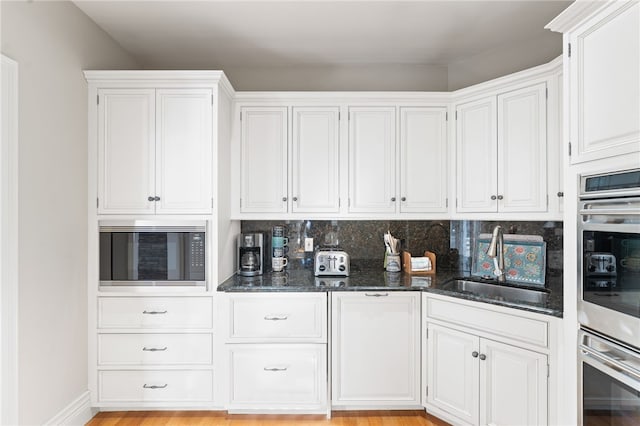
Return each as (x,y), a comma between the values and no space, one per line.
(594,212)
(611,363)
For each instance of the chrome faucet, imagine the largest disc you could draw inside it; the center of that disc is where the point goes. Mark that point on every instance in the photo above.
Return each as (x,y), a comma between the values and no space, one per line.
(496,252)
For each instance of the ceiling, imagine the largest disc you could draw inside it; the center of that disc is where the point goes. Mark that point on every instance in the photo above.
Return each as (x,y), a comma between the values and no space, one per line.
(219,34)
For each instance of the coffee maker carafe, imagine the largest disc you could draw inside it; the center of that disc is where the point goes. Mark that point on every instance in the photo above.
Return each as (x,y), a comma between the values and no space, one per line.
(250,254)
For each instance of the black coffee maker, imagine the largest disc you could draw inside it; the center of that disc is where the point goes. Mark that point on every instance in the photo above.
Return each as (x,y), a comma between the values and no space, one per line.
(250,254)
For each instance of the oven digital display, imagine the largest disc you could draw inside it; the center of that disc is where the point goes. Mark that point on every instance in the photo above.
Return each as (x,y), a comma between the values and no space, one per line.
(613,182)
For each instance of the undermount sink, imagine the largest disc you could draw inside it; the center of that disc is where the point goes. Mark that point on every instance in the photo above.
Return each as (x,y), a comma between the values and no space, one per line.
(496,291)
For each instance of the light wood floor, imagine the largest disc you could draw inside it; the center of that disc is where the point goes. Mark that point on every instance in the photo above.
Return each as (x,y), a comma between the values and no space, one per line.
(339,418)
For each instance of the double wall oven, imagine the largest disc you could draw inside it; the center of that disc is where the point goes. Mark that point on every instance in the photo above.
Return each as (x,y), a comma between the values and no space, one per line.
(609,298)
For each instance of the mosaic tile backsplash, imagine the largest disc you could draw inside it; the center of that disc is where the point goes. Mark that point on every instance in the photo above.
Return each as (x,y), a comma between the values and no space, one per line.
(451,241)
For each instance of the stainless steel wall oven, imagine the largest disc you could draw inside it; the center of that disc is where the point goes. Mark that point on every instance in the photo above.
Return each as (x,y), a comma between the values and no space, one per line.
(609,298)
(150,253)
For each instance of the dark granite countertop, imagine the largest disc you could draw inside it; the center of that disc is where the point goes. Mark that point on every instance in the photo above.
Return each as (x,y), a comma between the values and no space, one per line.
(379,280)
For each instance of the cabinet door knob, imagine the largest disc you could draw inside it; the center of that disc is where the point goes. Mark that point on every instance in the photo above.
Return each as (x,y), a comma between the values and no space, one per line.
(500,197)
(483,357)
(150,198)
(493,197)
(474,354)
(156,198)
(560,194)
(284,198)
(403,199)
(393,199)
(295,198)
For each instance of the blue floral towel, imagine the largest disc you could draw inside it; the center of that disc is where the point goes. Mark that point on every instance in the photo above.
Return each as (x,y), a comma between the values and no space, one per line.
(524,261)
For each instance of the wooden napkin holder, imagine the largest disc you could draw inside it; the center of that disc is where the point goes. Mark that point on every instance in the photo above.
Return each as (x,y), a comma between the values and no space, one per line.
(406,263)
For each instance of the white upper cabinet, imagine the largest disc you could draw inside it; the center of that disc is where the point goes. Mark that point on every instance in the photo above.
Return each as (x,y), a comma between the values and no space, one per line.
(502,152)
(263,177)
(154,151)
(604,89)
(183,150)
(522,150)
(126,150)
(477,156)
(372,132)
(315,164)
(423,159)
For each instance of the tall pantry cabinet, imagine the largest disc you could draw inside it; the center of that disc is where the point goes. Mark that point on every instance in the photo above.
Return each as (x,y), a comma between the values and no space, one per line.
(158,154)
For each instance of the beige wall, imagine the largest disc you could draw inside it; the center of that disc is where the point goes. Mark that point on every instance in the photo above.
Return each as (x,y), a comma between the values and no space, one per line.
(52,43)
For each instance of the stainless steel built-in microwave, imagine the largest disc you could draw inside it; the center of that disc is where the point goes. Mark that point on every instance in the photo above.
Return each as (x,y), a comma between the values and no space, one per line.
(150,253)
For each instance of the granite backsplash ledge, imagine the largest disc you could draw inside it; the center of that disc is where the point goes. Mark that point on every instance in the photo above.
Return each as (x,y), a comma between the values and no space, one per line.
(453,241)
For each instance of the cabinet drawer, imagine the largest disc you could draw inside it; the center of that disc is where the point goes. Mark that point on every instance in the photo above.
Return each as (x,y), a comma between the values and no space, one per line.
(155,312)
(513,327)
(154,349)
(277,376)
(281,317)
(155,386)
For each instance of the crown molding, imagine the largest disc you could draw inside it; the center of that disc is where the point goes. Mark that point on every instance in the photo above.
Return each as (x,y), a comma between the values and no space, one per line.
(576,13)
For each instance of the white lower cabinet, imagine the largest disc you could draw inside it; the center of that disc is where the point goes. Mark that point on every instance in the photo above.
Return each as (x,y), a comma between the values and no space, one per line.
(153,352)
(472,379)
(170,386)
(284,376)
(375,349)
(276,352)
(513,385)
(154,349)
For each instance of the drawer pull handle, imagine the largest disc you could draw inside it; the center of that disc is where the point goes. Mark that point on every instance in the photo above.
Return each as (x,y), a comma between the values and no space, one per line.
(376,294)
(275,368)
(146,386)
(154,312)
(276,317)
(154,349)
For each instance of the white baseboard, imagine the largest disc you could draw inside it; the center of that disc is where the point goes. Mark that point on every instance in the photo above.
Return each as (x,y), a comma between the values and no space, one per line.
(78,412)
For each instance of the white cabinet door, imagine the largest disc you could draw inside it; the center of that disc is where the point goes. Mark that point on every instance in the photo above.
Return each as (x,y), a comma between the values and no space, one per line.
(184,150)
(513,385)
(372,160)
(605,88)
(477,156)
(452,372)
(522,150)
(315,160)
(423,160)
(376,347)
(263,160)
(126,150)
